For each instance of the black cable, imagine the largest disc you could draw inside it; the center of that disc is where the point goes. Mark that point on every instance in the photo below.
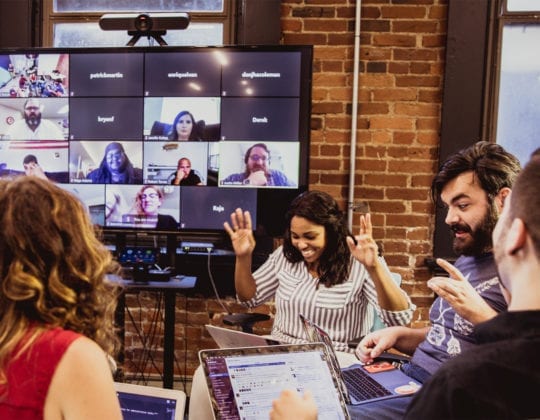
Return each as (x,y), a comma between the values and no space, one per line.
(184,376)
(211,278)
(146,355)
(141,337)
(152,347)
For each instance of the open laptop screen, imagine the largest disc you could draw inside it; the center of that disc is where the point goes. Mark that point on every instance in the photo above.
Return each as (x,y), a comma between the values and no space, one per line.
(243,382)
(140,402)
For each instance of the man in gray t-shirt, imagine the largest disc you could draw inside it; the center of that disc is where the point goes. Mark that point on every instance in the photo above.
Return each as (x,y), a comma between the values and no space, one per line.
(473,185)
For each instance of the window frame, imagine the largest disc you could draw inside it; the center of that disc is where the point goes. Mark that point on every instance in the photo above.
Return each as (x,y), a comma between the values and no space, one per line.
(500,17)
(50,18)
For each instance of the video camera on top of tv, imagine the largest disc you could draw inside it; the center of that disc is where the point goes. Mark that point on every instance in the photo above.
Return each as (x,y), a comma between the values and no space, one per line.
(153,25)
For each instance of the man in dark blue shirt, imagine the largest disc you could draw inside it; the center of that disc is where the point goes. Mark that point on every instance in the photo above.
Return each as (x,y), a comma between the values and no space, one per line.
(500,378)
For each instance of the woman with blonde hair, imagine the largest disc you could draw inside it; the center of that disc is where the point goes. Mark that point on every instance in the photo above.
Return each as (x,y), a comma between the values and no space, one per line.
(147,203)
(56,307)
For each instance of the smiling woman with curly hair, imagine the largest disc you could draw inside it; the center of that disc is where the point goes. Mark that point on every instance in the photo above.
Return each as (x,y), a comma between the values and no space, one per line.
(56,308)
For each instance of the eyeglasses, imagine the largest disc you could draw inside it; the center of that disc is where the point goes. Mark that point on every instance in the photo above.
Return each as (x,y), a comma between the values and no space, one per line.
(151,195)
(114,155)
(259,157)
(32,108)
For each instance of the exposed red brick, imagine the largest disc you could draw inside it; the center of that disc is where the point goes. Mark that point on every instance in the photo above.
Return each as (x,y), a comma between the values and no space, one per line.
(401,65)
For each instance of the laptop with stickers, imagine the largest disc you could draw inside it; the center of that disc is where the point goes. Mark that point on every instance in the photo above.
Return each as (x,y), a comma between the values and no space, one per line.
(243,382)
(361,384)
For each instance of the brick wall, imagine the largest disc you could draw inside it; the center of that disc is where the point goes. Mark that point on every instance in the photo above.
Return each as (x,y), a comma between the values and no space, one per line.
(400,89)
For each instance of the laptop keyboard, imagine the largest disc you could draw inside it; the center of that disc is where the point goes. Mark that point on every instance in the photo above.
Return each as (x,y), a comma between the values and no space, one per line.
(361,386)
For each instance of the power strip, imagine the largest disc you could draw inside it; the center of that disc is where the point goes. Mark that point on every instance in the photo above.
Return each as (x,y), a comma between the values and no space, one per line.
(197,246)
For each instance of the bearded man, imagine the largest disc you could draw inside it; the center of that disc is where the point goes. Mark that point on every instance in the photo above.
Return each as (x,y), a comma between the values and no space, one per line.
(33,126)
(473,185)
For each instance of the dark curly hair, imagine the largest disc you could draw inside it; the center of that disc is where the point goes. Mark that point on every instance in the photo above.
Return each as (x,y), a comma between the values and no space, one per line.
(320,208)
(493,166)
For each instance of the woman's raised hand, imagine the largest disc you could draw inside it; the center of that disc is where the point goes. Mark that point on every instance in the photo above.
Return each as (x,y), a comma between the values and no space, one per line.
(365,250)
(241,232)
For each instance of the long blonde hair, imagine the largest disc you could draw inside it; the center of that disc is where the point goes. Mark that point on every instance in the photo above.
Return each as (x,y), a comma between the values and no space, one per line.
(52,268)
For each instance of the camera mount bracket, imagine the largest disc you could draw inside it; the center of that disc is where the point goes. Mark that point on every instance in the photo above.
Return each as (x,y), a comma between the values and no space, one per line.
(137,25)
(136,35)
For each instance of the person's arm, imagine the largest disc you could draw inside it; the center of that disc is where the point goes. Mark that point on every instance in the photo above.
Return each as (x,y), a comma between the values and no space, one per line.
(389,294)
(82,386)
(403,339)
(244,282)
(243,242)
(279,178)
(257,178)
(461,295)
(176,180)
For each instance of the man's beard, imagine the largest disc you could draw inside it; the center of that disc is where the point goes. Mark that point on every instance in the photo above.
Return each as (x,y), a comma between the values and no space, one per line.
(33,121)
(481,237)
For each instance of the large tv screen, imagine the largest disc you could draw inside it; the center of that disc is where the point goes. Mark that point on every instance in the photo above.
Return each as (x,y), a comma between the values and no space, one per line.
(161,138)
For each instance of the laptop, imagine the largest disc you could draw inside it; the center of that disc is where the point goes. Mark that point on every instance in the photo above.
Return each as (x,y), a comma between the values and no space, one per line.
(226,338)
(361,384)
(243,382)
(139,402)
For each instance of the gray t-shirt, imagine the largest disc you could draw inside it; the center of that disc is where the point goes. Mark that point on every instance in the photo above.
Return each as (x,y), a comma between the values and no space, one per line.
(450,334)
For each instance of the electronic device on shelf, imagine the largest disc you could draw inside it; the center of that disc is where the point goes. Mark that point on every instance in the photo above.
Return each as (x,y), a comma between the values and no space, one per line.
(141,264)
(197,247)
(238,96)
(138,255)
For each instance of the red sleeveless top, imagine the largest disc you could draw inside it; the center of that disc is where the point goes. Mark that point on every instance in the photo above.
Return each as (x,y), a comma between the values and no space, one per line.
(29,376)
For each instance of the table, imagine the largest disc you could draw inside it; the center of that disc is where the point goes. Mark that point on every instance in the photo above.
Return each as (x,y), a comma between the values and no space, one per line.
(169,290)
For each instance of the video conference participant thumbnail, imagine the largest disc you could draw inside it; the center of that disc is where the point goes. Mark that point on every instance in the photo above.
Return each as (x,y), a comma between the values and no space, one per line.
(34,75)
(185,73)
(161,161)
(92,197)
(106,118)
(142,206)
(106,162)
(106,74)
(269,164)
(34,119)
(207,208)
(44,159)
(182,119)
(265,73)
(260,119)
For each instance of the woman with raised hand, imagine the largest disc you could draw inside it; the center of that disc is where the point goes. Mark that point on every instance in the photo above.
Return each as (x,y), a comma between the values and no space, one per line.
(321,272)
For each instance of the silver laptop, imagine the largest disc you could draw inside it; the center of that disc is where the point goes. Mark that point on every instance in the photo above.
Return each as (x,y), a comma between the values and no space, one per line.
(362,384)
(226,338)
(243,382)
(139,402)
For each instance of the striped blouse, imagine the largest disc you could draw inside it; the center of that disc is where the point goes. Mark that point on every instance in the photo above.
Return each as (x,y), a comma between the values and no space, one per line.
(344,310)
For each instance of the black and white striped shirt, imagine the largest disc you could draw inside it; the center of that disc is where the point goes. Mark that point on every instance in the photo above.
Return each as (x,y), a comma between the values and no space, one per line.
(344,310)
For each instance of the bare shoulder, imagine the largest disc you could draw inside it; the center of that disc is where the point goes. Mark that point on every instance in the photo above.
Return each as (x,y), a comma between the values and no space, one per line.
(82,386)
